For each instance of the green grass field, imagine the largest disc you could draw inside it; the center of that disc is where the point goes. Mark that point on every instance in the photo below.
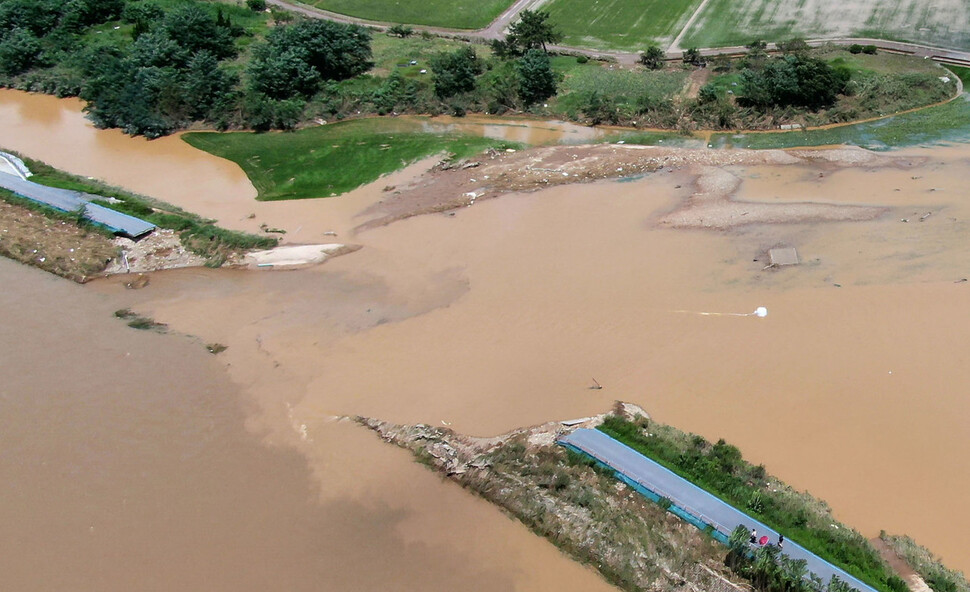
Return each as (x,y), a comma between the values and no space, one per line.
(738,22)
(453,14)
(329,160)
(396,54)
(620,24)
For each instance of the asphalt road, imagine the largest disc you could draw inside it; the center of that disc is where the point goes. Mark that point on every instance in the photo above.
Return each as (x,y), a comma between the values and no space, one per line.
(701,504)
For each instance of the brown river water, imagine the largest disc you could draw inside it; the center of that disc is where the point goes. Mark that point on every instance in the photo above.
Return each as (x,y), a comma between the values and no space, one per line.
(853,387)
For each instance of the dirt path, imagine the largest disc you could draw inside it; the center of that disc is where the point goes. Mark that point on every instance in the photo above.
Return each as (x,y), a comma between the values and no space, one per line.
(912,579)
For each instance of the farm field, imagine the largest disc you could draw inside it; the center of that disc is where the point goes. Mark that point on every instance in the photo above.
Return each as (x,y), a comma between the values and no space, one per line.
(731,22)
(461,14)
(620,24)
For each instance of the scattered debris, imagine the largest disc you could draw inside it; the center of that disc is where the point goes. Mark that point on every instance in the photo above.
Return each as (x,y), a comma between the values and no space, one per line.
(138,282)
(782,256)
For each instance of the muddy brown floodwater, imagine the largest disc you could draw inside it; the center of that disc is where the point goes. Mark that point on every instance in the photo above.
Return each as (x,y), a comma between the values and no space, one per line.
(853,387)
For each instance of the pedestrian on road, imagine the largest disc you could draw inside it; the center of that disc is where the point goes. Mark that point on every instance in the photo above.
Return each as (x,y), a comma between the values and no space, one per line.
(754,537)
(781,541)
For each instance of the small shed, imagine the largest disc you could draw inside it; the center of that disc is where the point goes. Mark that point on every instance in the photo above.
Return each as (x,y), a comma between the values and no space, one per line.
(783,256)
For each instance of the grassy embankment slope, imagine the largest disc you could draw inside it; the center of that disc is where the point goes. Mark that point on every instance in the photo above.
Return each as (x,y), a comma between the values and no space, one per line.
(57,242)
(329,160)
(720,469)
(463,14)
(199,235)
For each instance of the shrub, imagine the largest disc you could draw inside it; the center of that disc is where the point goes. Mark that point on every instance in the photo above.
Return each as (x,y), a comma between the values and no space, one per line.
(581,59)
(869,49)
(256,5)
(855,48)
(401,31)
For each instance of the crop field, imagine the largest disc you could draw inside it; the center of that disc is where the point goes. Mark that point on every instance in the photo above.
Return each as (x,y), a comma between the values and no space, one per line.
(620,24)
(738,22)
(453,14)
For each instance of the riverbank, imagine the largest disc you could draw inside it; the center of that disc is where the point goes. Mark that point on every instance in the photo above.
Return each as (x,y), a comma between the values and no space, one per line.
(636,544)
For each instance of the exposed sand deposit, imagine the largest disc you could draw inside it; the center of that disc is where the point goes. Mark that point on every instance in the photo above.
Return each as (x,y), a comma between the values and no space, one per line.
(453,185)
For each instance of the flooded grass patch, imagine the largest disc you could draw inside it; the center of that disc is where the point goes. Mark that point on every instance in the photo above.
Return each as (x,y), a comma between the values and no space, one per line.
(329,160)
(944,123)
(142,323)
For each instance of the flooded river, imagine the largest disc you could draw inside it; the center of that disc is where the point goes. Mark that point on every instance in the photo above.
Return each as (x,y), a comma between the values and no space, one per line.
(497,317)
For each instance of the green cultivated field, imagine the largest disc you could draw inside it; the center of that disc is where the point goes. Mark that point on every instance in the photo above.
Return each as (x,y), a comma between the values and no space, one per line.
(620,24)
(738,22)
(329,160)
(453,14)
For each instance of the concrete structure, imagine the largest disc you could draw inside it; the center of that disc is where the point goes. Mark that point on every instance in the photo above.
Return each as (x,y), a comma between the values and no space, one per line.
(783,256)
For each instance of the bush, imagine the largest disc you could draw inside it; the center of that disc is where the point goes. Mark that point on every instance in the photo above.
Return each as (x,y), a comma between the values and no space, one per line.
(869,49)
(855,48)
(653,58)
(256,5)
(401,31)
(581,59)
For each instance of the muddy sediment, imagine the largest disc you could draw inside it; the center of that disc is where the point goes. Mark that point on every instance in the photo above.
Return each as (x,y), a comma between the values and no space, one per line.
(451,185)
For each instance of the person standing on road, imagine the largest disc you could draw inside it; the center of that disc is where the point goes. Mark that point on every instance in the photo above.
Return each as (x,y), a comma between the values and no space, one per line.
(754,536)
(781,541)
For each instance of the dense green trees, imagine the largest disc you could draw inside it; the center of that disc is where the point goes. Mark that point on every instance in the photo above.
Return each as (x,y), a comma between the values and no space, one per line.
(19,50)
(169,76)
(793,80)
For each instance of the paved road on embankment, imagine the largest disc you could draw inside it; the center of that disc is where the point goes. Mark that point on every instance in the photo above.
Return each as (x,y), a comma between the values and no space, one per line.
(691,498)
(497,28)
(70,201)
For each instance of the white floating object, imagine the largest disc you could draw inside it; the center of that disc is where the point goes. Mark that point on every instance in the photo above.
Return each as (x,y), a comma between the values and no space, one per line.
(761,312)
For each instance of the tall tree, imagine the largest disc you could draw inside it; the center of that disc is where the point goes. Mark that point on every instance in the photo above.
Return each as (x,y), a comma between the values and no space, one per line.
(653,58)
(192,27)
(533,31)
(455,72)
(334,50)
(19,49)
(537,81)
